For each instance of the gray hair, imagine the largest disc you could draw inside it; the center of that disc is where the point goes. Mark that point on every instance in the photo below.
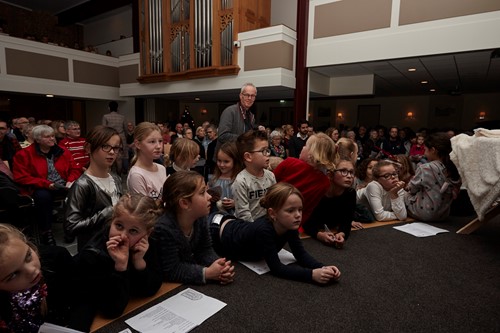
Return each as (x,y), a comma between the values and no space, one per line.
(248,85)
(275,133)
(41,130)
(70,123)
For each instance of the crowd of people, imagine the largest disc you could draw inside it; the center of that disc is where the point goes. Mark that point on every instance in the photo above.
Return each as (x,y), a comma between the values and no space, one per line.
(195,200)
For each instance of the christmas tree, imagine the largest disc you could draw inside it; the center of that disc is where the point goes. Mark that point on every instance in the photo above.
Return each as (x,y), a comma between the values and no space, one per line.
(186,117)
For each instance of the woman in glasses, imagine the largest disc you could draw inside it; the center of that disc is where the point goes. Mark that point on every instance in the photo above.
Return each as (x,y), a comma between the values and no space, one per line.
(341,198)
(91,199)
(385,195)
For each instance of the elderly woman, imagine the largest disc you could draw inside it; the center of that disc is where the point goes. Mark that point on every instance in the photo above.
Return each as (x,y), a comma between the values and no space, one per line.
(275,144)
(45,171)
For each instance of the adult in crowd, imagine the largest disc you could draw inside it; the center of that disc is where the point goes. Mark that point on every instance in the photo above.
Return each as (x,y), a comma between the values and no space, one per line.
(8,144)
(18,127)
(117,121)
(59,129)
(28,134)
(211,158)
(178,133)
(45,171)
(75,143)
(237,118)
(297,142)
(394,145)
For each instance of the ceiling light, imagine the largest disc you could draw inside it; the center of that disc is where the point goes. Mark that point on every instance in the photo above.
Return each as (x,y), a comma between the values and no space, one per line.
(412,69)
(196,98)
(49,95)
(424,82)
(432,89)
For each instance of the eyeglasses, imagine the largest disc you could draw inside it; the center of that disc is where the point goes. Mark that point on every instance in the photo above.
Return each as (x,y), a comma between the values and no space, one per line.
(248,96)
(345,172)
(108,148)
(390,175)
(265,151)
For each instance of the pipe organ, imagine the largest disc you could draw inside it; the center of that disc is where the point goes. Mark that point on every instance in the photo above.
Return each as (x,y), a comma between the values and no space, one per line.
(184,39)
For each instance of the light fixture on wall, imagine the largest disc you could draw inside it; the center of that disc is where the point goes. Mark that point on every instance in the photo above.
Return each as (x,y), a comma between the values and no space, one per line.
(204,111)
(482,115)
(409,115)
(340,115)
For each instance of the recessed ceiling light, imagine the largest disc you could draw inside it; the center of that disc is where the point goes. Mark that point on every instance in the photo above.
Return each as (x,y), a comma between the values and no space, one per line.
(432,89)
(49,95)
(196,98)
(424,82)
(412,69)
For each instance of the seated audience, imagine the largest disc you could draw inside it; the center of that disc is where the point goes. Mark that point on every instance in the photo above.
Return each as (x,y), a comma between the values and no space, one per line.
(8,144)
(75,143)
(46,172)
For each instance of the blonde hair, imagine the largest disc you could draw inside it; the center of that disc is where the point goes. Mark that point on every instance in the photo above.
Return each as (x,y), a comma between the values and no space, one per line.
(322,151)
(141,132)
(141,207)
(347,149)
(182,150)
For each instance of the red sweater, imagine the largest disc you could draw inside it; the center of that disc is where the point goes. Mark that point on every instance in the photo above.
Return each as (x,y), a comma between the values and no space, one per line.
(31,170)
(77,148)
(311,182)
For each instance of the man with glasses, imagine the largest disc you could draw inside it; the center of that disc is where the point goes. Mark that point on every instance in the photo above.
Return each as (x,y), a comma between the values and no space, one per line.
(237,119)
(8,145)
(75,144)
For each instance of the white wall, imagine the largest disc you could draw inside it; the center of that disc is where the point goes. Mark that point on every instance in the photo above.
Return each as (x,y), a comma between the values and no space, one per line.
(284,12)
(108,27)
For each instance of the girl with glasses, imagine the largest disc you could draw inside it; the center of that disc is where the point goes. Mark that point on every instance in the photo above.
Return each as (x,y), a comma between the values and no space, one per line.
(334,229)
(91,199)
(385,195)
